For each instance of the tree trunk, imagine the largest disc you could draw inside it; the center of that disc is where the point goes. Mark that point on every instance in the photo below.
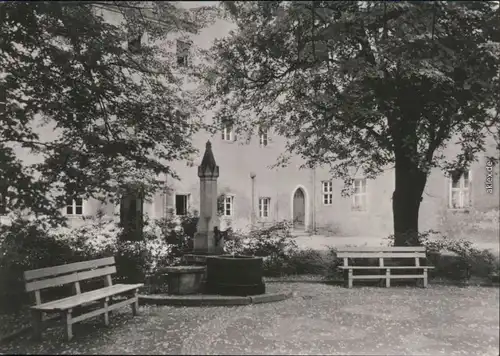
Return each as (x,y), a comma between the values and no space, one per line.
(410,183)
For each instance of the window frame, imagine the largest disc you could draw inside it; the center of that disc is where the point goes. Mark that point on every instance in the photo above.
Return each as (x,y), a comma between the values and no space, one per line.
(187,203)
(264,207)
(263,137)
(184,55)
(231,205)
(227,133)
(74,207)
(327,194)
(461,189)
(362,195)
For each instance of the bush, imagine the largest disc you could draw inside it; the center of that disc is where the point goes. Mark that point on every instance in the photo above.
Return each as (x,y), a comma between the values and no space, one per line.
(281,255)
(313,262)
(27,244)
(178,232)
(456,259)
(274,241)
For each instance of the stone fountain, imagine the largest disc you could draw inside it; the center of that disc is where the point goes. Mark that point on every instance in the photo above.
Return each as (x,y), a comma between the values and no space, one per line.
(208,270)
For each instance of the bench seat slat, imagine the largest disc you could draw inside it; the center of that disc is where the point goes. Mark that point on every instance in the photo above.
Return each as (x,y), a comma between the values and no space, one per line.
(385,267)
(68,268)
(77,300)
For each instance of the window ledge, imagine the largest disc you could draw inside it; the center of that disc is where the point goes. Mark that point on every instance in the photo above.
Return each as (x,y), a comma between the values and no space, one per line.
(460,210)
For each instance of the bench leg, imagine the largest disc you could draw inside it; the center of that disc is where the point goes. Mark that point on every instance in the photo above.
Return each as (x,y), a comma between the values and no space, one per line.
(135,304)
(68,324)
(425,278)
(105,306)
(36,323)
(387,277)
(349,280)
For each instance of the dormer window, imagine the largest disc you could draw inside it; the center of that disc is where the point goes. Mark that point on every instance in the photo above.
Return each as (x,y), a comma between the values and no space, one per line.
(183,53)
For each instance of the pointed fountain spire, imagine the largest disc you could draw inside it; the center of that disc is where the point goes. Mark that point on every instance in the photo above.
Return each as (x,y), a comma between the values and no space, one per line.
(208,167)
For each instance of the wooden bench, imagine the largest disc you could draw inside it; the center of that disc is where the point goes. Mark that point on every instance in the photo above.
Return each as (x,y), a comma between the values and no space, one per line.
(383,253)
(74,273)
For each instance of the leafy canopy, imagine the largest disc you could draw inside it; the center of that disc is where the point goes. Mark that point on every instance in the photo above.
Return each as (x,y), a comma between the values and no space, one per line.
(363,84)
(111,113)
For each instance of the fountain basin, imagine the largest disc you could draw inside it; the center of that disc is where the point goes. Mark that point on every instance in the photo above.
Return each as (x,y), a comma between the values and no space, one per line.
(184,280)
(234,275)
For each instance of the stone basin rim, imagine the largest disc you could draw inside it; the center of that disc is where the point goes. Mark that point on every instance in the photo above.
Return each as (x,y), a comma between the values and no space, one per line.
(185,269)
(235,257)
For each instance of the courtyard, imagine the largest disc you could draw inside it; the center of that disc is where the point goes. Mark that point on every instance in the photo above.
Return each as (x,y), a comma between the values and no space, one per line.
(318,319)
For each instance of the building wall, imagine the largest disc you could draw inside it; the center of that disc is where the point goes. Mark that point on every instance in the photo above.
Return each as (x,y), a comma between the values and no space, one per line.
(237,160)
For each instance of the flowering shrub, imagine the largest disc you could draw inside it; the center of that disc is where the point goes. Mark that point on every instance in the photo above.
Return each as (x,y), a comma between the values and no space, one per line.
(275,241)
(31,243)
(275,244)
(26,245)
(97,238)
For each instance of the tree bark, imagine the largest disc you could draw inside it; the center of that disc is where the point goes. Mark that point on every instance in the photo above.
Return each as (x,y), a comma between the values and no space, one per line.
(410,183)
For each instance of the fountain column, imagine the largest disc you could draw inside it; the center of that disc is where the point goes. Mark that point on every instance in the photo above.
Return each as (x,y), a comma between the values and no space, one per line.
(205,240)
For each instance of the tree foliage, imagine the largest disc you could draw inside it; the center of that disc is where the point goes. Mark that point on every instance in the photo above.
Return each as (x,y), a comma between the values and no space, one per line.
(112,114)
(365,85)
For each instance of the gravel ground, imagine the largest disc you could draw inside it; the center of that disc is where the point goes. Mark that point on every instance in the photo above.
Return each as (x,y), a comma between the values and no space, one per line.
(319,319)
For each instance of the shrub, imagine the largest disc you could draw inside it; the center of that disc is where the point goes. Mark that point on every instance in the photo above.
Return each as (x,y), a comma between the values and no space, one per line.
(177,231)
(281,255)
(275,241)
(312,262)
(456,259)
(97,238)
(27,245)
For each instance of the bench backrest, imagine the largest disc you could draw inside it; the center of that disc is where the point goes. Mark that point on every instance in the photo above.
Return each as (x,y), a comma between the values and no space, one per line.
(72,273)
(415,252)
(390,252)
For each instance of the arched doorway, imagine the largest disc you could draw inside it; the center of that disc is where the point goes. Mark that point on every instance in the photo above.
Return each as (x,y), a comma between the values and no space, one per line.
(299,209)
